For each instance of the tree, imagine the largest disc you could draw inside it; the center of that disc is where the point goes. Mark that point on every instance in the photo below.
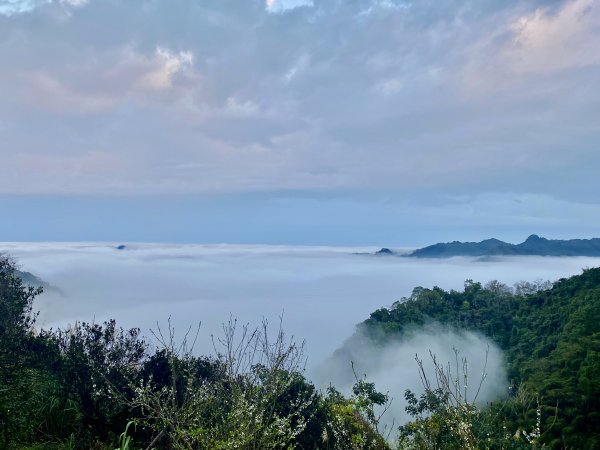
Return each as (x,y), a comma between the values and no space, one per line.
(16,325)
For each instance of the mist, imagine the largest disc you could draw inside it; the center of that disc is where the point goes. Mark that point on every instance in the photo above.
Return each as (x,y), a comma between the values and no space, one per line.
(322,292)
(393,368)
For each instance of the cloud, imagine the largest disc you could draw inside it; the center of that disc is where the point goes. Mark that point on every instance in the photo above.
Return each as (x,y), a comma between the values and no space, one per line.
(10,7)
(75,3)
(167,66)
(234,107)
(536,49)
(279,6)
(563,39)
(391,365)
(390,86)
(253,96)
(106,81)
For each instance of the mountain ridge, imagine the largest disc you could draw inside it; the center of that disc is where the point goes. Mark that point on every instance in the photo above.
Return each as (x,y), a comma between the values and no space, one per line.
(534,245)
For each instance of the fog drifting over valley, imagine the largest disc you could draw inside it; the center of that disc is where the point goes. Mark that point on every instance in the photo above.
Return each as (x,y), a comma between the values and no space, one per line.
(393,367)
(322,292)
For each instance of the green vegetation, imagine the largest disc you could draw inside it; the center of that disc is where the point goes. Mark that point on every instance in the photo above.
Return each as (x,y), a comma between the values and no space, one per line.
(100,387)
(551,338)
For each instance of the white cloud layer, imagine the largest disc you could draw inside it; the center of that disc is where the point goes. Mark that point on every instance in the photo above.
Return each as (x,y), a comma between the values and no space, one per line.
(322,291)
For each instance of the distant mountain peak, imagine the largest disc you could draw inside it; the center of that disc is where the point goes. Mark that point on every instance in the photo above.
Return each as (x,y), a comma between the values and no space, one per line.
(533,245)
(534,238)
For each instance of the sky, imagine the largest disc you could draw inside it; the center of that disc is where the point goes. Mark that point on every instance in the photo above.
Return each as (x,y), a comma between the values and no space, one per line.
(354,122)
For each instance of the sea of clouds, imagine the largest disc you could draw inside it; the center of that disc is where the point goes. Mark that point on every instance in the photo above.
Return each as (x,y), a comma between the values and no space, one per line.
(322,293)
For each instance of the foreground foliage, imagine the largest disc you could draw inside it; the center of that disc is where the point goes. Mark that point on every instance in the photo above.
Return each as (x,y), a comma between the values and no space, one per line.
(101,387)
(81,388)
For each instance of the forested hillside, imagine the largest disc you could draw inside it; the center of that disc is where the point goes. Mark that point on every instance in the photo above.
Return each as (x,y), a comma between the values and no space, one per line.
(533,245)
(551,337)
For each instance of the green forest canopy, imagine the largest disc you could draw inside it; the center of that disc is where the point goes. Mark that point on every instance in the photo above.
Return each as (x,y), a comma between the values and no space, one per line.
(551,338)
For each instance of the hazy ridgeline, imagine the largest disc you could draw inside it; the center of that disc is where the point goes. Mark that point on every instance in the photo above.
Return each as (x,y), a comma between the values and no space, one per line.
(322,292)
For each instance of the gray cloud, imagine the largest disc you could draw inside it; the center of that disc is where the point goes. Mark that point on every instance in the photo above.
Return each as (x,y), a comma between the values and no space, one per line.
(149,97)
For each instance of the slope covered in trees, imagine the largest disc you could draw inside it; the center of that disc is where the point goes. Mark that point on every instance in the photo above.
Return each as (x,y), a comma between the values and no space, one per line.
(533,245)
(550,335)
